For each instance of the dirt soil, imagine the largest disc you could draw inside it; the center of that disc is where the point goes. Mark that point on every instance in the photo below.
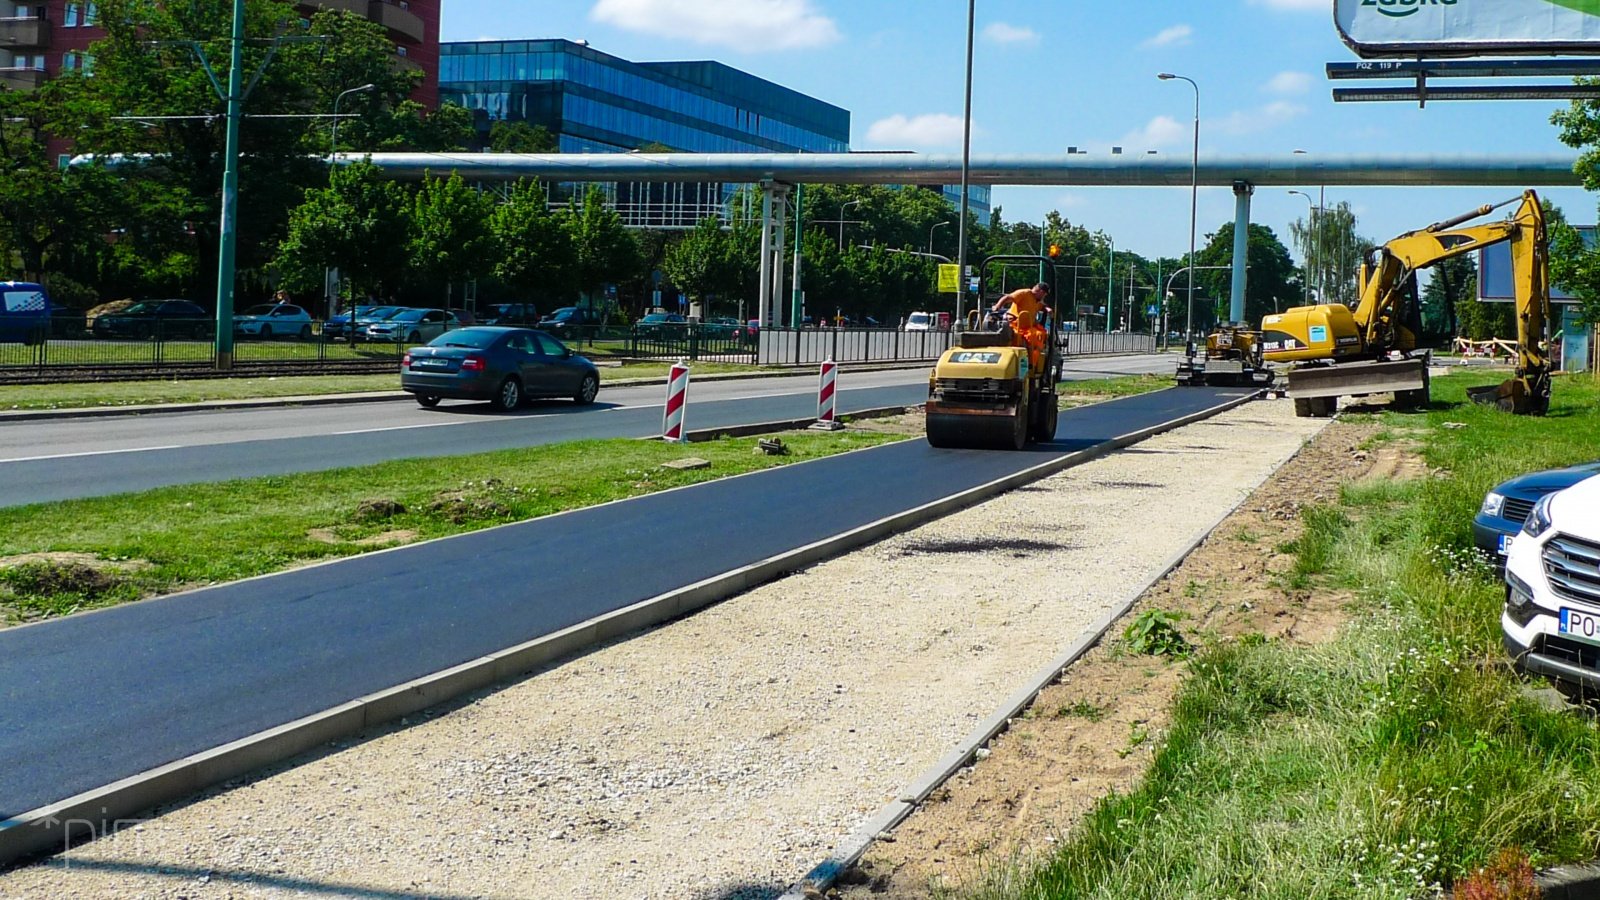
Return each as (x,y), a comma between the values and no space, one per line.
(1095,729)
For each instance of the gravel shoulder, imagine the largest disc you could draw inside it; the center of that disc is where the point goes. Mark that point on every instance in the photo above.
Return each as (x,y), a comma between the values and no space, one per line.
(723,754)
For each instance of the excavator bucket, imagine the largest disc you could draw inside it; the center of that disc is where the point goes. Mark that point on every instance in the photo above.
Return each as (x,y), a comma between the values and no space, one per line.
(1520,396)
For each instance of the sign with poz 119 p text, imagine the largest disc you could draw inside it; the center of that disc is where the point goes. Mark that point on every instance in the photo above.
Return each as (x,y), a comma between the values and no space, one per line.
(1379,28)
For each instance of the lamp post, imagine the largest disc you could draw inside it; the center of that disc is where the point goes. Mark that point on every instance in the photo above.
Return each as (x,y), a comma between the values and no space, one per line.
(966,169)
(1194,194)
(333,153)
(842,207)
(1311,242)
(936,225)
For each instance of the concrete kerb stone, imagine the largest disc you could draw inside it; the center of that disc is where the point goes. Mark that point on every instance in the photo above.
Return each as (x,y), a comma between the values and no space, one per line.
(46,829)
(826,873)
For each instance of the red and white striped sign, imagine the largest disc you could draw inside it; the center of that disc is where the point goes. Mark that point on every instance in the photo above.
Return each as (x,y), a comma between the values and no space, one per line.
(677,399)
(825,393)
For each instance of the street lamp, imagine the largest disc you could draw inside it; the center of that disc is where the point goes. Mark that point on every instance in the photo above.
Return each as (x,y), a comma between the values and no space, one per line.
(936,225)
(842,207)
(1194,193)
(1311,242)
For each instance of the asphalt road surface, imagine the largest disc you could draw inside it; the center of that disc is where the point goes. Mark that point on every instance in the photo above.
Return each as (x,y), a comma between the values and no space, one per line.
(93,698)
(68,459)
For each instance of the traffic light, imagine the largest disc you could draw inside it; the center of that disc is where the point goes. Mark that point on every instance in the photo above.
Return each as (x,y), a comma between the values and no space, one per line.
(1055,250)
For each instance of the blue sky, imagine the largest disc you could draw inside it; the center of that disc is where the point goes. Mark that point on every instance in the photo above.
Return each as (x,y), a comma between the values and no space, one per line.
(1054,73)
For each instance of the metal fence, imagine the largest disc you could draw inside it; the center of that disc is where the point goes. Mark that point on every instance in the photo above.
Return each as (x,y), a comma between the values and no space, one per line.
(789,346)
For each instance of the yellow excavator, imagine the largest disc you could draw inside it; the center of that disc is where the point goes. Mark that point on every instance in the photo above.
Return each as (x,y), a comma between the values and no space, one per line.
(1335,351)
(985,393)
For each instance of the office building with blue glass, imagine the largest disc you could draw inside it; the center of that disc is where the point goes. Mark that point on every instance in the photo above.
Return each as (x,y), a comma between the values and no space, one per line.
(593,102)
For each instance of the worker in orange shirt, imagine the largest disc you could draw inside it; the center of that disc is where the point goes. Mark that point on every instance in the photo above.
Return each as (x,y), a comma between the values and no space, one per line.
(1026,308)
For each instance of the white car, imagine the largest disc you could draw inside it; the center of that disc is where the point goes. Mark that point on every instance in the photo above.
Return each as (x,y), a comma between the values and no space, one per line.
(1551,620)
(273,320)
(413,326)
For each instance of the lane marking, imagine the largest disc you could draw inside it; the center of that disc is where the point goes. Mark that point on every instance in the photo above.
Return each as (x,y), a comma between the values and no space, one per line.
(17,459)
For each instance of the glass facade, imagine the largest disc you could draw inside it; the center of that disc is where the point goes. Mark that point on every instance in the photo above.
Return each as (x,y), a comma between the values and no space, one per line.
(594,101)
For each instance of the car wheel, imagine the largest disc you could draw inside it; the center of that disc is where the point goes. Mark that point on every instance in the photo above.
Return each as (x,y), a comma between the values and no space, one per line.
(305,332)
(428,401)
(587,391)
(509,395)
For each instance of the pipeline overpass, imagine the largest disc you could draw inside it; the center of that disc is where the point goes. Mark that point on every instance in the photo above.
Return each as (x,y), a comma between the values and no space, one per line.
(777,173)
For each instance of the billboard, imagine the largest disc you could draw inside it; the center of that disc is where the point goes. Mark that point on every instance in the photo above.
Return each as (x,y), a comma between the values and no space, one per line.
(1494,272)
(1380,28)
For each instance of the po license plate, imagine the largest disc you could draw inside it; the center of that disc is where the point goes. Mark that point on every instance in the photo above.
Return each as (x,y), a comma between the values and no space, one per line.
(1579,624)
(1505,543)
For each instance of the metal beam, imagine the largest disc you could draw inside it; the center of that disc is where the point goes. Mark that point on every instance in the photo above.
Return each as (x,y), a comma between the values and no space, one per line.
(1293,170)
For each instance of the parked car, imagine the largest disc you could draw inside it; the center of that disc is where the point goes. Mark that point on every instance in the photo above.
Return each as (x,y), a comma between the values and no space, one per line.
(24,312)
(1551,622)
(167,318)
(339,326)
(1506,508)
(570,321)
(413,326)
(273,320)
(511,314)
(502,365)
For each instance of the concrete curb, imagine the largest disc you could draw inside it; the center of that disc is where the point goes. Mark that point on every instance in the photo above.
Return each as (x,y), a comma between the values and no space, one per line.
(96,412)
(91,813)
(825,874)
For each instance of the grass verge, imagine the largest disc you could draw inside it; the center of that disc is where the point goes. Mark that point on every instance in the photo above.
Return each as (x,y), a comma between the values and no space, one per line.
(82,554)
(138,393)
(1395,760)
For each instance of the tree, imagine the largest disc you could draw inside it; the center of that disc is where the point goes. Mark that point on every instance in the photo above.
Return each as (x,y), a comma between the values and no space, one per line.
(535,250)
(1270,286)
(604,249)
(1332,252)
(451,239)
(358,224)
(520,137)
(699,264)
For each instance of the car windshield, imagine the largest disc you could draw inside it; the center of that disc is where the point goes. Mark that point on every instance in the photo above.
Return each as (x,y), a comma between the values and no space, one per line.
(476,338)
(264,309)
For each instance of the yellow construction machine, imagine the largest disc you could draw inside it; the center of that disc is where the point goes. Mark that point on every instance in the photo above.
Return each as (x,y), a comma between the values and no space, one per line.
(1231,357)
(985,393)
(1336,351)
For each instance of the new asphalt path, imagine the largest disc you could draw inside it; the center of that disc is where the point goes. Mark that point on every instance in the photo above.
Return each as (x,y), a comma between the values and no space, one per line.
(100,696)
(63,460)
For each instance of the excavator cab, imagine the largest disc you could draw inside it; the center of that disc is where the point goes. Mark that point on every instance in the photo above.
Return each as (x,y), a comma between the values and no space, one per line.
(987,391)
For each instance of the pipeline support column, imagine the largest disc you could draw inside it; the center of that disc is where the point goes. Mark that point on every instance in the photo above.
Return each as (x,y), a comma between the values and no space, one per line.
(1241,247)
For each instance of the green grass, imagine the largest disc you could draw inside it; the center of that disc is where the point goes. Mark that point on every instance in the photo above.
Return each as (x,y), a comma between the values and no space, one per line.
(172,538)
(194,390)
(1397,758)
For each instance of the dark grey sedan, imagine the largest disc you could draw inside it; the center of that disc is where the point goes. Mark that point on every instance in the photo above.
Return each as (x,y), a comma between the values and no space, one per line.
(502,365)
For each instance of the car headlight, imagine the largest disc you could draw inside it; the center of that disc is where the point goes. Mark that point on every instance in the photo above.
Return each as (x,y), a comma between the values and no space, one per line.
(1539,520)
(1493,504)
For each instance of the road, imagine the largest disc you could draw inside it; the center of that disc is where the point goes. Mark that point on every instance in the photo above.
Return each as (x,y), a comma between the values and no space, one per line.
(64,460)
(92,698)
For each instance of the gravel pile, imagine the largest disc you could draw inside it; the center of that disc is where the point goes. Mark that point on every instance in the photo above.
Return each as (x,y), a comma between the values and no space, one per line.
(721,755)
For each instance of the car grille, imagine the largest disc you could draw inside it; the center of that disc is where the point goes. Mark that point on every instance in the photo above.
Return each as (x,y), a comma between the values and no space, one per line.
(1567,650)
(1516,509)
(1573,567)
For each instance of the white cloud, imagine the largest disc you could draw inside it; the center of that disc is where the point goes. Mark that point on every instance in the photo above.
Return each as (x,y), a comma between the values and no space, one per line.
(1004,33)
(1252,121)
(1162,131)
(1293,5)
(917,132)
(1288,83)
(1176,36)
(749,25)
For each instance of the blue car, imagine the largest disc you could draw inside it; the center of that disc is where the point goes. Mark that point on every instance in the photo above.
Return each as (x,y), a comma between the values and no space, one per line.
(24,313)
(1507,506)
